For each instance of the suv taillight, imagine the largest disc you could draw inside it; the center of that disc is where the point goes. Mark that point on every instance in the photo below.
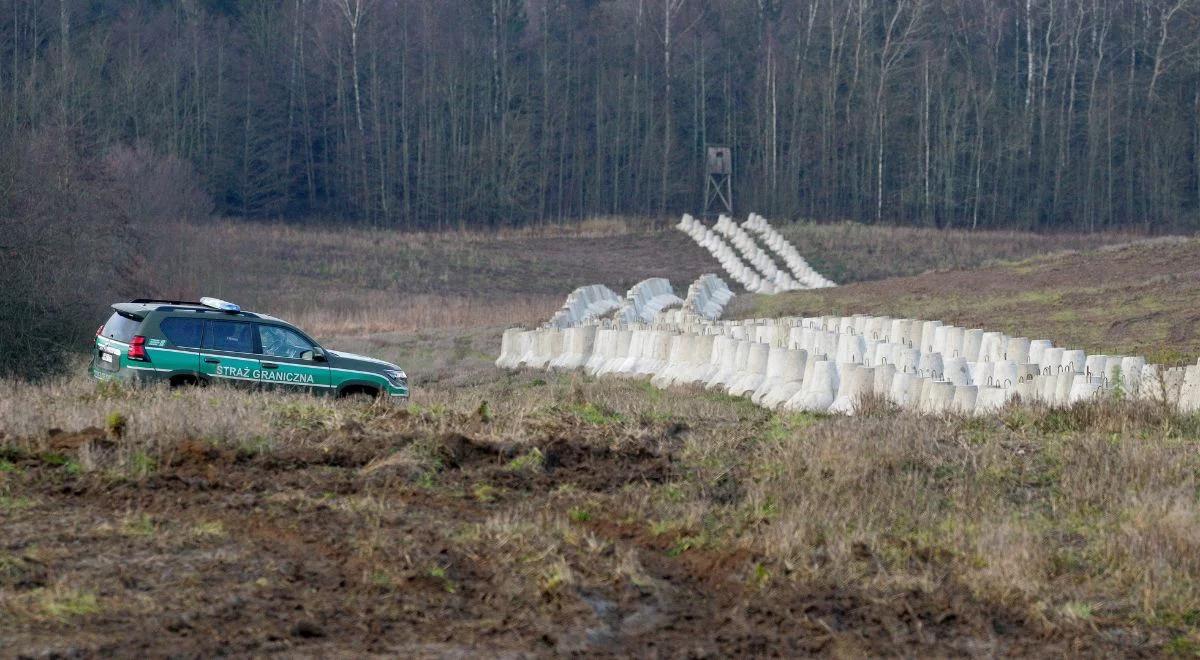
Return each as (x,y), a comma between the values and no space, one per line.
(100,330)
(137,349)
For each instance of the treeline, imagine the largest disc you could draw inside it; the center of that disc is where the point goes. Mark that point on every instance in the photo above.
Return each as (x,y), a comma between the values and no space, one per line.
(436,113)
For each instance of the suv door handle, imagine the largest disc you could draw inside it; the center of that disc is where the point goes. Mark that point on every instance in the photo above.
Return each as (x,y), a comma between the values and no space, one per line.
(269,365)
(212,360)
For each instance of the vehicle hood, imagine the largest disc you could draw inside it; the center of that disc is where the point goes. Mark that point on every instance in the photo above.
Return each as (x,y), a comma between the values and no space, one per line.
(352,360)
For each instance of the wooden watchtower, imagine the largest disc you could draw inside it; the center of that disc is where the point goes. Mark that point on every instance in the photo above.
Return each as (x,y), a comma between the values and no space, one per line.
(718,182)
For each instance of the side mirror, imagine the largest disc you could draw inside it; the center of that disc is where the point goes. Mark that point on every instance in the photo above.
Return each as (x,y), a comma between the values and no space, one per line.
(317,354)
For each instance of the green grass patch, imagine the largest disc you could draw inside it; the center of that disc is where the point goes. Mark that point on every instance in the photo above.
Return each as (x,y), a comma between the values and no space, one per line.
(67,604)
(142,464)
(579,514)
(485,493)
(116,423)
(141,525)
(531,461)
(595,415)
(209,529)
(13,504)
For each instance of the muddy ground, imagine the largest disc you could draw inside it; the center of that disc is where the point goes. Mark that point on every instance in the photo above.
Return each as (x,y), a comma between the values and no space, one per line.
(338,544)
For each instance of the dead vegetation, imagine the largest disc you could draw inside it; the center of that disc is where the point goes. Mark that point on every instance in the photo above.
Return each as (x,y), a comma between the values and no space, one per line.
(545,513)
(1134,299)
(359,281)
(853,252)
(559,514)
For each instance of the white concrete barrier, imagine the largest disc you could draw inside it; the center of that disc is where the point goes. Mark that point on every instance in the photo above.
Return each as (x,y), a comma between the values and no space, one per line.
(707,297)
(603,349)
(819,388)
(855,382)
(1189,391)
(733,353)
(511,348)
(965,397)
(905,390)
(577,347)
(746,262)
(829,363)
(790,380)
(676,360)
(646,300)
(754,372)
(801,272)
(583,304)
(938,397)
(699,360)
(1084,388)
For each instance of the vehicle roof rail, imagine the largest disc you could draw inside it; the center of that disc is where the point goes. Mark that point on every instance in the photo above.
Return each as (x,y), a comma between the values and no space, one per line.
(163,301)
(209,310)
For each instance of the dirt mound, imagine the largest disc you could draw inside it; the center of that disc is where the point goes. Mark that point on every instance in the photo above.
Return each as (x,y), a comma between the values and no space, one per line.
(68,443)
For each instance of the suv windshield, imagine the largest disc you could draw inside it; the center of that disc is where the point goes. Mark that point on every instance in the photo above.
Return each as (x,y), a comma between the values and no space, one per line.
(120,328)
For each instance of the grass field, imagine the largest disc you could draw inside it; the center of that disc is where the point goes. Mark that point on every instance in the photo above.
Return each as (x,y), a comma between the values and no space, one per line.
(545,513)
(365,281)
(1136,299)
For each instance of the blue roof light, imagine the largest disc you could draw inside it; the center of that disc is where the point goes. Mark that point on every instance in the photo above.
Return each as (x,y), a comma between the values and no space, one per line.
(217,303)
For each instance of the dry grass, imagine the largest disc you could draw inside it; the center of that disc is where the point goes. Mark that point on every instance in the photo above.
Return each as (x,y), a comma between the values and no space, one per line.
(851,252)
(361,280)
(376,313)
(1138,299)
(1084,517)
(349,280)
(537,512)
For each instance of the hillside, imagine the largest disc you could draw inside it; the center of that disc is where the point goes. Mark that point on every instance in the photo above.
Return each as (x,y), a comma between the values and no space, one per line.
(546,513)
(1140,299)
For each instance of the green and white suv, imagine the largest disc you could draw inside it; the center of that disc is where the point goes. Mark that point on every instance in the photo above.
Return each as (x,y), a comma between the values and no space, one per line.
(211,341)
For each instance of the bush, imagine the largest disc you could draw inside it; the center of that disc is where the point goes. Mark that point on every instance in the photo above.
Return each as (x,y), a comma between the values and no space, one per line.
(76,233)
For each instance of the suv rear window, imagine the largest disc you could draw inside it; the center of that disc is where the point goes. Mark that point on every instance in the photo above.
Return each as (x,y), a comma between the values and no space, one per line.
(182,332)
(120,328)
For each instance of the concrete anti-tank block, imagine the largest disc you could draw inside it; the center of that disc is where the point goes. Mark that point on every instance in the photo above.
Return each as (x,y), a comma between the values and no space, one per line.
(754,372)
(819,390)
(964,399)
(790,381)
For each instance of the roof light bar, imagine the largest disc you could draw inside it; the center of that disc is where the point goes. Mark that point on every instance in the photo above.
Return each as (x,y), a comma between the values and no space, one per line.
(217,303)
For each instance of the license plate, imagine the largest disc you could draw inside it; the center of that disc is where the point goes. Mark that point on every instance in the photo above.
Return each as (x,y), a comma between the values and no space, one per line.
(106,357)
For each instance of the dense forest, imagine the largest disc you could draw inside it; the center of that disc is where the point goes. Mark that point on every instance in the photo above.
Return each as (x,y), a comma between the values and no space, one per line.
(447,113)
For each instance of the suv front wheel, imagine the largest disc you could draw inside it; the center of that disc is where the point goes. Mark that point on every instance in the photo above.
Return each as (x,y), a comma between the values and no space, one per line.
(359,393)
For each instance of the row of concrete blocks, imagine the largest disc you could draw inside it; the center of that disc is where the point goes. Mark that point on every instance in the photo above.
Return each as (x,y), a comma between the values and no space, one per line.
(945,352)
(646,300)
(803,272)
(749,360)
(758,257)
(585,303)
(729,258)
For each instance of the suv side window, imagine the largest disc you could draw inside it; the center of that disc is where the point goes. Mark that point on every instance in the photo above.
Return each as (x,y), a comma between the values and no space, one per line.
(184,333)
(229,336)
(278,341)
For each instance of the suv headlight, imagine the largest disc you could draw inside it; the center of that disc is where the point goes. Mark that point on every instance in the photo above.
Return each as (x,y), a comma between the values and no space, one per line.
(397,377)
